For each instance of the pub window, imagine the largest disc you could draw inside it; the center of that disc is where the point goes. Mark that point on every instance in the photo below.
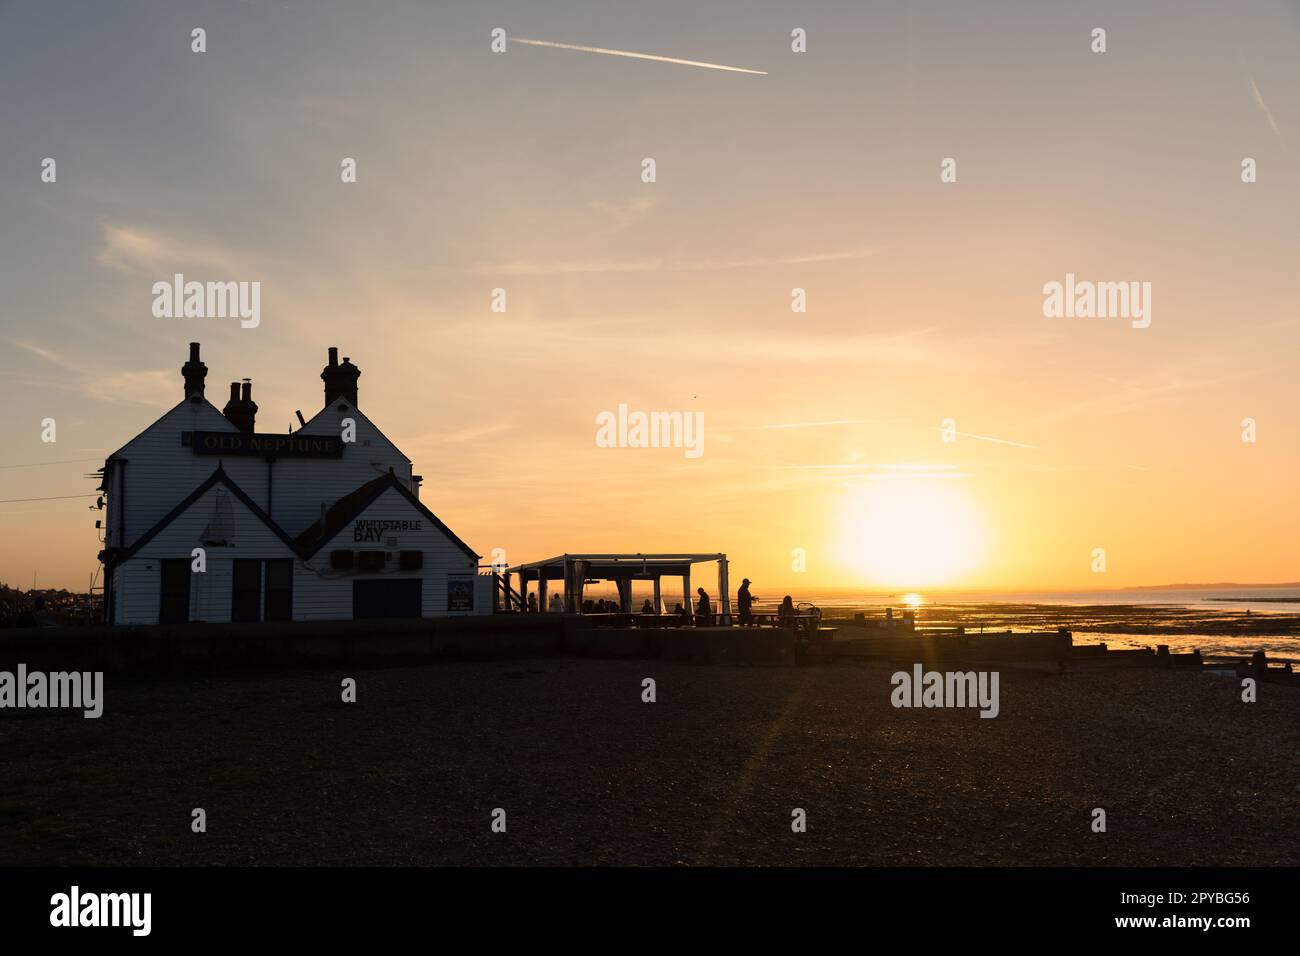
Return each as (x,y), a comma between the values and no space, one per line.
(370,560)
(279,589)
(174,607)
(246,591)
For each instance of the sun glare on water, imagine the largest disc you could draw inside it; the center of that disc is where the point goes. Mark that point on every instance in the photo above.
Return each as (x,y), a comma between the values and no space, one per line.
(912,532)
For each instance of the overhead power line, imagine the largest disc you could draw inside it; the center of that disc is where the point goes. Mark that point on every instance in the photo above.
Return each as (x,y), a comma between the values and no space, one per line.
(38,464)
(10,501)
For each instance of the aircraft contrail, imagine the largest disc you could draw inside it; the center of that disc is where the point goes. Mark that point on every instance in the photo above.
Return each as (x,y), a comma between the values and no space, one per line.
(996,441)
(637,56)
(838,421)
(1259,101)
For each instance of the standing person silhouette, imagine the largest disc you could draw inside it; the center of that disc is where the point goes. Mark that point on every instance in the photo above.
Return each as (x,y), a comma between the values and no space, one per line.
(745,603)
(703,613)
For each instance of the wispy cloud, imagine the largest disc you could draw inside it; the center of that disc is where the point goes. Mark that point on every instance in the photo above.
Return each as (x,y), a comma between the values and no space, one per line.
(526,267)
(635,56)
(888,471)
(625,213)
(155,388)
(460,436)
(1118,397)
(54,358)
(1259,101)
(141,250)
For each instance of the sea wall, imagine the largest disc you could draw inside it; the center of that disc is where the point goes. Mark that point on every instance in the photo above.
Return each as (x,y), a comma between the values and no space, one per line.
(499,636)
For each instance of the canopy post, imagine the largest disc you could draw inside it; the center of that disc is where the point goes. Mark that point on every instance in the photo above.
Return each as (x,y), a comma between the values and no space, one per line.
(724,588)
(658,602)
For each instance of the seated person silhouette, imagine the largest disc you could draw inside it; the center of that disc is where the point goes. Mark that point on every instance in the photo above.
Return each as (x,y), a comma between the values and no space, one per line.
(703,612)
(785,615)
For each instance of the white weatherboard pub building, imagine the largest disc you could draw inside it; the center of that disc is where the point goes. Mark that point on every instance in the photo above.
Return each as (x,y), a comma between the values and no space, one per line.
(302,526)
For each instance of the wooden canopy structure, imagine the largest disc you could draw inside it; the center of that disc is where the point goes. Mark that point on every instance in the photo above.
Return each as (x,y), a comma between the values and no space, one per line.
(574,570)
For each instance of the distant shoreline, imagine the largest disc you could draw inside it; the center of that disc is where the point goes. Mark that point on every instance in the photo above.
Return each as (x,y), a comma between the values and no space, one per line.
(1232,632)
(1255,600)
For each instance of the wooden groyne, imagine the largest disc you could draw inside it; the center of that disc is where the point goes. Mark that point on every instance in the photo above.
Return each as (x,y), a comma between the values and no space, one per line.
(1052,650)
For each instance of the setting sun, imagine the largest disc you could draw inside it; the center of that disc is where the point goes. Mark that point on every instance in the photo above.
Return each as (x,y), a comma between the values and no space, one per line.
(912,531)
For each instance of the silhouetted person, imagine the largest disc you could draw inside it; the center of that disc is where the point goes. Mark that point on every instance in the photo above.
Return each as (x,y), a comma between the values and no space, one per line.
(532,603)
(679,612)
(647,607)
(703,613)
(785,616)
(745,603)
(557,604)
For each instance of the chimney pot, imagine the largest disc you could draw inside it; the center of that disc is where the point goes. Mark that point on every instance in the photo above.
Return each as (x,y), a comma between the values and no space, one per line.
(340,380)
(194,372)
(241,410)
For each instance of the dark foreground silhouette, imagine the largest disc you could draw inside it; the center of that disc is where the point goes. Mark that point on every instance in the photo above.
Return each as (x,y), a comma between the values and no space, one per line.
(710,773)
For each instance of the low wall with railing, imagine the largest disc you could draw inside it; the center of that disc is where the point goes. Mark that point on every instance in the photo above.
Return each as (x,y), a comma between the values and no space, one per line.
(498,636)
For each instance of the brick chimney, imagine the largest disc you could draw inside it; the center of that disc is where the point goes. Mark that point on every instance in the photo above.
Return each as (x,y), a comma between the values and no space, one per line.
(194,372)
(340,380)
(241,409)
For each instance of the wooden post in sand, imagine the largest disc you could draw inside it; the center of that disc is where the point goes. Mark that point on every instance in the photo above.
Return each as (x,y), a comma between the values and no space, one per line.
(1259,664)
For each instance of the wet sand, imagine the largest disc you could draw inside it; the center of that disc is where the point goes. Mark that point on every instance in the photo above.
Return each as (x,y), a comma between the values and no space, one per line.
(709,774)
(1216,632)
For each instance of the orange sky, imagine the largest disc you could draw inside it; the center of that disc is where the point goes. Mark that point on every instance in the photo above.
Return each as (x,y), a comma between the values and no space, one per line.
(522,171)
